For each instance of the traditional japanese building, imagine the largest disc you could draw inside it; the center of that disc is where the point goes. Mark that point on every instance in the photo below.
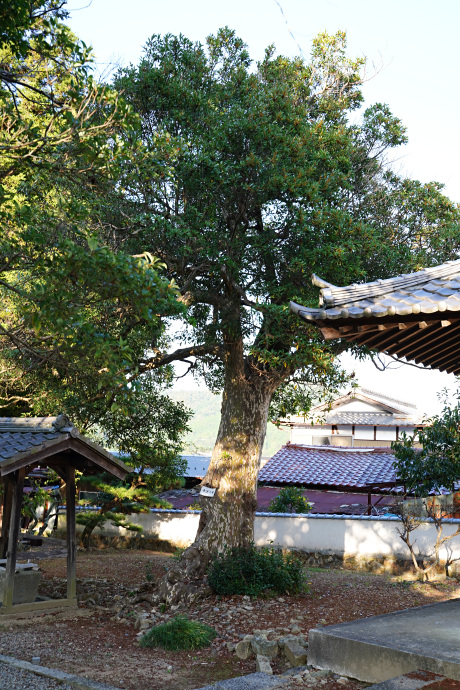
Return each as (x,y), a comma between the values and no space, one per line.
(361,418)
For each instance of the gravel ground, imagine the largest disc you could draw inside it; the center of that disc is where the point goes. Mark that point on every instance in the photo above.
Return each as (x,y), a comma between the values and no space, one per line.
(12,678)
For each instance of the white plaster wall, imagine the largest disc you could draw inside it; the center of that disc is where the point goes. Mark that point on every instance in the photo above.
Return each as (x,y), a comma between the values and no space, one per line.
(386,433)
(364,432)
(360,536)
(350,536)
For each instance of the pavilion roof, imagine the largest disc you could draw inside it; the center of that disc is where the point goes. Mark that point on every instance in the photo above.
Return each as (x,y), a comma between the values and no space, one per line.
(414,316)
(50,441)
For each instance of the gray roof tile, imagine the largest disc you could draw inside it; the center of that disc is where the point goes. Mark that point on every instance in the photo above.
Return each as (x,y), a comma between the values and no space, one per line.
(325,466)
(422,292)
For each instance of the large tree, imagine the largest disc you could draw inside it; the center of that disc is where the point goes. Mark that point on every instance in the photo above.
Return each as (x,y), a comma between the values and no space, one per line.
(264,183)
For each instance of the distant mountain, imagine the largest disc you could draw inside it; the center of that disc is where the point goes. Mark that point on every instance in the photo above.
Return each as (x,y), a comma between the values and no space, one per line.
(205,423)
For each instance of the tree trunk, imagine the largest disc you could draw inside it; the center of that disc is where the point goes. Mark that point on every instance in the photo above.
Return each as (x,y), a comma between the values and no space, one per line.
(227,518)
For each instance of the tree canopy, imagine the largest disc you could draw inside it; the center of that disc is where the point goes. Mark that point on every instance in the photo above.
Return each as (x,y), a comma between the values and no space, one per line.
(77,313)
(435,467)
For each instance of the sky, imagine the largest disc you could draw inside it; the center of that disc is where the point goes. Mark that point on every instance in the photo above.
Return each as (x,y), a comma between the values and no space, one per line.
(412,55)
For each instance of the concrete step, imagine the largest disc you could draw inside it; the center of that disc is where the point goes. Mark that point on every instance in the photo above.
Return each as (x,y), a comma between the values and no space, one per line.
(379,648)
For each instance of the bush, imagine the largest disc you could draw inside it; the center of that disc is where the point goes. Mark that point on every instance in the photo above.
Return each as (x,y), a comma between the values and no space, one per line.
(179,634)
(251,571)
(290,500)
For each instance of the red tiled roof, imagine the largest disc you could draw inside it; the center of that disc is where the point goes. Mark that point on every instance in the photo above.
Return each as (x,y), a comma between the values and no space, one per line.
(329,467)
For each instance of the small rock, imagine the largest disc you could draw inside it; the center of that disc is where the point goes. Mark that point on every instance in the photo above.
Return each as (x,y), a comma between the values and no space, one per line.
(295,653)
(243,650)
(297,639)
(342,681)
(263,665)
(230,647)
(323,621)
(263,647)
(295,629)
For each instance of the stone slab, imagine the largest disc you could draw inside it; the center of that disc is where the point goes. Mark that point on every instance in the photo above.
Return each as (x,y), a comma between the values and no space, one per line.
(406,683)
(70,678)
(379,648)
(254,681)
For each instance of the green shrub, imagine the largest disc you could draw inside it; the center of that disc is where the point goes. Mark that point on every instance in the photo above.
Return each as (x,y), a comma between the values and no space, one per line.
(196,505)
(290,500)
(179,634)
(251,571)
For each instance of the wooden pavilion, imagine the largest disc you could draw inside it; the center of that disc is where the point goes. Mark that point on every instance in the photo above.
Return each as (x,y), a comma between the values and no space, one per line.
(414,316)
(27,443)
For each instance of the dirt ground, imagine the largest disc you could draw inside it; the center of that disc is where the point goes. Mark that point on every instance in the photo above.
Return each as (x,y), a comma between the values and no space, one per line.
(99,641)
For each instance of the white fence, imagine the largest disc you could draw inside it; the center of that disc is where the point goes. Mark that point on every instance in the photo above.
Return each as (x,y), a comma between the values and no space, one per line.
(347,536)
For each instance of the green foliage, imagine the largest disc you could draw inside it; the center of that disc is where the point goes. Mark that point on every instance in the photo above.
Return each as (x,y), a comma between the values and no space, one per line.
(115,500)
(437,465)
(196,505)
(149,571)
(179,634)
(77,312)
(255,572)
(177,554)
(290,500)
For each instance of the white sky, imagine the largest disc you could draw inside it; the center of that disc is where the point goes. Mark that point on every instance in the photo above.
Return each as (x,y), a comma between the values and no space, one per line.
(411,46)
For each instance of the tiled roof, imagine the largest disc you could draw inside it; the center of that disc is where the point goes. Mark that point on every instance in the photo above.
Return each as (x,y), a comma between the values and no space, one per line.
(369,419)
(414,316)
(29,440)
(19,434)
(432,290)
(323,466)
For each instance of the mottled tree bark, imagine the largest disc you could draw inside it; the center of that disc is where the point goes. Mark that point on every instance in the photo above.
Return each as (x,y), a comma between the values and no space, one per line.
(227,518)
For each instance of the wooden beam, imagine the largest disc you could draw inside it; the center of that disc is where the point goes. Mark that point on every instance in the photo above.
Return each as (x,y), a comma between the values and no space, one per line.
(441,354)
(452,337)
(71,537)
(330,333)
(382,343)
(377,340)
(450,358)
(454,369)
(6,518)
(416,340)
(15,527)
(363,329)
(36,608)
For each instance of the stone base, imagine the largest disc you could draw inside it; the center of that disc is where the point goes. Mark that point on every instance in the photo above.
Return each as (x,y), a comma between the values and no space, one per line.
(25,585)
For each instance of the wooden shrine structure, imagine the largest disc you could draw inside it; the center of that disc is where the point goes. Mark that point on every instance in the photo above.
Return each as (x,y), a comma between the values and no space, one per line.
(27,443)
(414,316)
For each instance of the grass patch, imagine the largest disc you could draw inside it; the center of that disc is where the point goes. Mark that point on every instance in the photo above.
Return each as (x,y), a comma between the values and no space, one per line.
(179,634)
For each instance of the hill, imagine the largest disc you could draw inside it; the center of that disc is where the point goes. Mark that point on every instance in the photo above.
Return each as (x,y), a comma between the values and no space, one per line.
(205,423)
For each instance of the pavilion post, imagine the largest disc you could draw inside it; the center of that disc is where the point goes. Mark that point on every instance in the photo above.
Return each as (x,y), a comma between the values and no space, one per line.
(71,536)
(17,486)
(6,514)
